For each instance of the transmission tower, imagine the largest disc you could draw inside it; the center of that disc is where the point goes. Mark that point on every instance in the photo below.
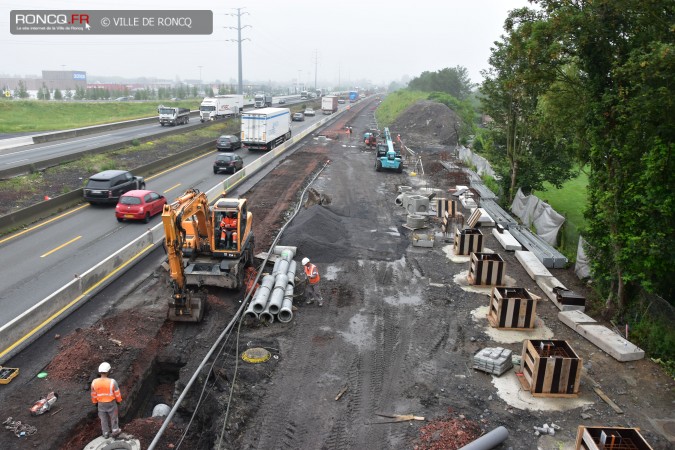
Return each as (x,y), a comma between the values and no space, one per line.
(239,40)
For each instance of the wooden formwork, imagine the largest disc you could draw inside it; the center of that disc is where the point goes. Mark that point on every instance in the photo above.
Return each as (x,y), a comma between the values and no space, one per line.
(446,207)
(550,368)
(610,438)
(512,308)
(450,222)
(467,241)
(487,269)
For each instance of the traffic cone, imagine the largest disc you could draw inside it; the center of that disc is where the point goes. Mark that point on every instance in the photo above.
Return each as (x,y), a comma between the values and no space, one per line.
(47,197)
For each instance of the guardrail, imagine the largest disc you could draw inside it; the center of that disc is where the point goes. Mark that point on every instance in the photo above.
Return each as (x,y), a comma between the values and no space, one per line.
(37,320)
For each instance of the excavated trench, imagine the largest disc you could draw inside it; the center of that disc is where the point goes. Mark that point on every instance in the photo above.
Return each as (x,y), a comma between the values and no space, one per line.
(157,387)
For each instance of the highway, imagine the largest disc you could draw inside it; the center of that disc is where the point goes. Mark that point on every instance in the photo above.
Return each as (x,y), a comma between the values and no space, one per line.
(41,259)
(28,154)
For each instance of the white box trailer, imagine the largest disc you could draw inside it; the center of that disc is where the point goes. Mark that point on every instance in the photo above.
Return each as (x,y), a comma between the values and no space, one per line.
(264,129)
(329,104)
(213,108)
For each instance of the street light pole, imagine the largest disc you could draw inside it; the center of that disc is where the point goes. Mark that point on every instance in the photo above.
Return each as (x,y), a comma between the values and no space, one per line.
(200,77)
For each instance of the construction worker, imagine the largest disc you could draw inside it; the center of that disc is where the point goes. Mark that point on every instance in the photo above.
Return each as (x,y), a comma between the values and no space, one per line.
(106,394)
(228,229)
(313,278)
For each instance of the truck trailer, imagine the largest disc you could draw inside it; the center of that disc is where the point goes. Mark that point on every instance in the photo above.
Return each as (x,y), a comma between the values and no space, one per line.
(265,128)
(220,106)
(169,115)
(353,96)
(329,104)
(262,100)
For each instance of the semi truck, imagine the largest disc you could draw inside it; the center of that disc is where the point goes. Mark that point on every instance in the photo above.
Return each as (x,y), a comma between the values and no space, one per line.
(265,128)
(220,106)
(329,104)
(262,100)
(169,115)
(353,96)
(304,94)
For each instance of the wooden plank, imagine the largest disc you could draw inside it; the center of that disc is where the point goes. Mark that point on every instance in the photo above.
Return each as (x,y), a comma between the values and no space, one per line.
(608,400)
(565,375)
(548,376)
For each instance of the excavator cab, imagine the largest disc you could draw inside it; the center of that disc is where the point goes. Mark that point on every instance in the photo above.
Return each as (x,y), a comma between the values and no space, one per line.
(232,227)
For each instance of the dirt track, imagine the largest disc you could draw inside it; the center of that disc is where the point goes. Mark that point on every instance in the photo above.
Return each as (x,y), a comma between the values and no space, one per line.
(397,331)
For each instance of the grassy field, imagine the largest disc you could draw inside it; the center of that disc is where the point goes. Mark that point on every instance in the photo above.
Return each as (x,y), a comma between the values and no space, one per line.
(394,104)
(570,201)
(17,116)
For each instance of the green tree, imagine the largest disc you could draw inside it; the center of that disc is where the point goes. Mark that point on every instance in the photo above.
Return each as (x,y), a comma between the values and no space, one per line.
(57,94)
(454,81)
(221,89)
(209,92)
(21,91)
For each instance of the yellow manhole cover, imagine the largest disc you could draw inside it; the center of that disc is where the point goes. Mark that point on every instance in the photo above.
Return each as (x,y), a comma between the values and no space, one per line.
(256,355)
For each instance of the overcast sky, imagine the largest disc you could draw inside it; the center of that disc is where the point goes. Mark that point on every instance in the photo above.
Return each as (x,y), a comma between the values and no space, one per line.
(353,39)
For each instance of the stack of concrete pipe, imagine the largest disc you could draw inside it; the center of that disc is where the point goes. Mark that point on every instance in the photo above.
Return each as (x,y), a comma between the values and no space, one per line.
(274,298)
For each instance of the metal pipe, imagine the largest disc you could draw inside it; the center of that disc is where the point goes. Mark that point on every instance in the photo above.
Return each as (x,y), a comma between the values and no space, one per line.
(262,294)
(489,440)
(291,272)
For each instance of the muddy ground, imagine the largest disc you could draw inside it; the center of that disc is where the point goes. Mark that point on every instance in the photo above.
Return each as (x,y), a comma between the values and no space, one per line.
(396,335)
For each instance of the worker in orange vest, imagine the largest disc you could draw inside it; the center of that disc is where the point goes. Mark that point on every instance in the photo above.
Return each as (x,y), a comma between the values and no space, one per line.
(106,394)
(228,229)
(313,278)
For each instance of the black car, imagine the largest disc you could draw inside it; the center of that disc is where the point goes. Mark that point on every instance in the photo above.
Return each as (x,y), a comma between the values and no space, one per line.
(298,117)
(228,142)
(228,162)
(109,185)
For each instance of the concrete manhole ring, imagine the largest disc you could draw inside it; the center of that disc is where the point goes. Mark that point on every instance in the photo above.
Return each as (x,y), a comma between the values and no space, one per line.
(101,443)
(256,355)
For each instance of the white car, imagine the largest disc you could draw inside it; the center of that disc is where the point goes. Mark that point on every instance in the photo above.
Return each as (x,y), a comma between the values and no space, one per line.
(310,112)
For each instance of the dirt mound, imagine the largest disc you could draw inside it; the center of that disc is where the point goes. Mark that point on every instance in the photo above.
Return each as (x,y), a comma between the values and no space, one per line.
(427,123)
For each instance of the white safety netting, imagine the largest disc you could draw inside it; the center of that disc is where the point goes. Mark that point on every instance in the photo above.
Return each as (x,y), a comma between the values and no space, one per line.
(482,164)
(582,267)
(532,211)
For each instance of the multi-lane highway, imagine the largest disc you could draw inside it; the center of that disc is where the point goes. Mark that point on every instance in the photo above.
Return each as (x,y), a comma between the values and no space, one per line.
(39,260)
(29,154)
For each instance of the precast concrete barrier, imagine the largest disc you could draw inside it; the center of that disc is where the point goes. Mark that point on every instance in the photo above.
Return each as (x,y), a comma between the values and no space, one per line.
(15,142)
(24,329)
(37,320)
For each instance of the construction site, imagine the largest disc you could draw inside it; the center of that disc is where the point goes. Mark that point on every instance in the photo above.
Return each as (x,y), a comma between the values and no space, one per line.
(438,327)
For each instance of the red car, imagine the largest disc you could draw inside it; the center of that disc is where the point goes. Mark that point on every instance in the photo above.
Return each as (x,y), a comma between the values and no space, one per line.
(139,205)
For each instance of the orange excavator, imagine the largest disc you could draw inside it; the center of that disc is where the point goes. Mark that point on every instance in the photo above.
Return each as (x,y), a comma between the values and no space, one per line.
(202,252)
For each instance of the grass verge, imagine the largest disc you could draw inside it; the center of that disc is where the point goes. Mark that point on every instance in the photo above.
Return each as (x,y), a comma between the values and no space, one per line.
(394,104)
(570,201)
(19,116)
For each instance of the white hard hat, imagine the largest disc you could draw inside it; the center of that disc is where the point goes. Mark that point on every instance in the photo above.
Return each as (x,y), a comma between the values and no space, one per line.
(305,261)
(104,368)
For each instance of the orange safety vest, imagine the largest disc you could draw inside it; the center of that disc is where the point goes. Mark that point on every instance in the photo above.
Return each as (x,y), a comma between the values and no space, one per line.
(105,390)
(312,273)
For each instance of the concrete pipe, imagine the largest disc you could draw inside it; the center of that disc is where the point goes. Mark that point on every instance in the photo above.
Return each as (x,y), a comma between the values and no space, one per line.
(275,269)
(415,221)
(262,294)
(283,267)
(399,200)
(292,267)
(286,312)
(161,410)
(250,313)
(266,316)
(276,299)
(488,441)
(279,249)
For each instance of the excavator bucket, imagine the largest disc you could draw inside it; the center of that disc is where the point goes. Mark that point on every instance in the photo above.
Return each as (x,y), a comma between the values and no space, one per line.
(190,309)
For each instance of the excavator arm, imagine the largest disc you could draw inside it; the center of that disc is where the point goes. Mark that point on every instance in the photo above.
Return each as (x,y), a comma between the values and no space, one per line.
(183,306)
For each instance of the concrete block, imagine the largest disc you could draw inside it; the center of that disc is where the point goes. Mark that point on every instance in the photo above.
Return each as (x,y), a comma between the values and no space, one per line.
(532,265)
(507,240)
(547,284)
(610,342)
(575,318)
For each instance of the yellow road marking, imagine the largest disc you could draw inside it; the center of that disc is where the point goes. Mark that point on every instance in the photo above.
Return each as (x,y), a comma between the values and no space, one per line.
(172,187)
(77,299)
(179,165)
(60,247)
